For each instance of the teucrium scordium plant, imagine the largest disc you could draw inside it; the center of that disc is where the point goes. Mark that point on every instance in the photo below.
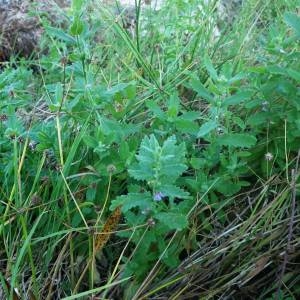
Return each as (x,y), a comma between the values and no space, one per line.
(156,198)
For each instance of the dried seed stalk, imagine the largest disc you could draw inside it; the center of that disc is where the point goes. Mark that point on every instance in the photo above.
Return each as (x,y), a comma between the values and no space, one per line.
(109,226)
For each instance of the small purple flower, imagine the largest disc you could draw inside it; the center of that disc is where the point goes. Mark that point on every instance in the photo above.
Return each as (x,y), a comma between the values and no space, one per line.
(158,196)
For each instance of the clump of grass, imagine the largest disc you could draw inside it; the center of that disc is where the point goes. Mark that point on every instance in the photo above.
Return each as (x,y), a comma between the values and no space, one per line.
(248,258)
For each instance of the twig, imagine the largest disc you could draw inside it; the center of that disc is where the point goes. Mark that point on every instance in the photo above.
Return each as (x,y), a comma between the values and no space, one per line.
(57,265)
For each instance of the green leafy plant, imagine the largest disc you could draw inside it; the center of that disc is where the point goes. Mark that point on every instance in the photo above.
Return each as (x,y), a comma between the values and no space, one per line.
(157,201)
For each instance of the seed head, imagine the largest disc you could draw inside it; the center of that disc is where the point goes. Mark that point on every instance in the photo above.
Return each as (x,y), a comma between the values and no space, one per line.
(111,169)
(269,156)
(151,222)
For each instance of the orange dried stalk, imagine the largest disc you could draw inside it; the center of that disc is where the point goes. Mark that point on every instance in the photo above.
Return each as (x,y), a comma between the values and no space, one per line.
(101,239)
(109,226)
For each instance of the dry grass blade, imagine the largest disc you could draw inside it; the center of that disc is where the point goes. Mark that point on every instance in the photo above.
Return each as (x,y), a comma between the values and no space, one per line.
(294,175)
(241,261)
(15,296)
(56,267)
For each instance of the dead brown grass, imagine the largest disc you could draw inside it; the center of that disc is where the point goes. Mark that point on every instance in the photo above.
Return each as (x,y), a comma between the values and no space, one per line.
(21,29)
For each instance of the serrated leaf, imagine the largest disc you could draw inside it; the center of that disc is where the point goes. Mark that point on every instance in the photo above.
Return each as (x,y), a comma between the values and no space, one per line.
(253,103)
(155,109)
(210,68)
(238,77)
(60,34)
(128,89)
(124,151)
(237,98)
(206,128)
(156,163)
(172,158)
(139,172)
(141,200)
(186,126)
(72,103)
(90,141)
(113,128)
(237,140)
(190,116)
(173,106)
(173,191)
(90,194)
(197,163)
(227,188)
(170,257)
(172,220)
(238,121)
(202,91)
(258,118)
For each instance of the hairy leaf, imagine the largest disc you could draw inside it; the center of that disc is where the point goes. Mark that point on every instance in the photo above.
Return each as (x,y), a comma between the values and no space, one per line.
(206,128)
(142,200)
(172,220)
(237,140)
(159,164)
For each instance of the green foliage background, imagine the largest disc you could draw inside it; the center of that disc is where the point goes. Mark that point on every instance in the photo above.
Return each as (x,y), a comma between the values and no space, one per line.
(194,136)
